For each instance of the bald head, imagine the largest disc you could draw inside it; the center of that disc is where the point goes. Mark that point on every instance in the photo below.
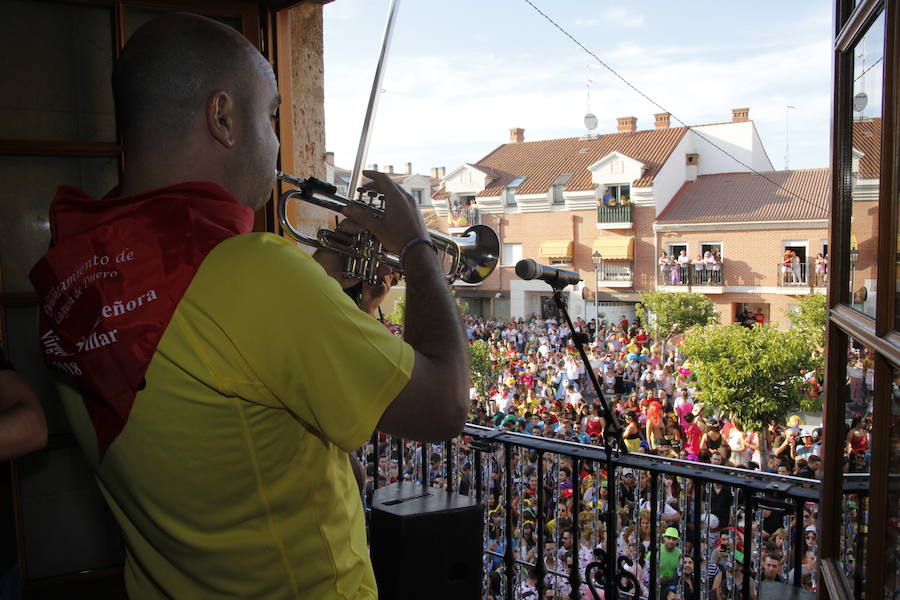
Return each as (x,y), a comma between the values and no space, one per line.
(169,68)
(195,102)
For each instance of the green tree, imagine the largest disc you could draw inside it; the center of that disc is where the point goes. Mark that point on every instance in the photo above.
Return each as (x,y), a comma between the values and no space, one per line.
(480,364)
(669,314)
(753,373)
(809,319)
(397,315)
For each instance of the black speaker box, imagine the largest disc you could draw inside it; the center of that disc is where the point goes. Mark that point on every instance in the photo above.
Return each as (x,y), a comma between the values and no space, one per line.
(426,543)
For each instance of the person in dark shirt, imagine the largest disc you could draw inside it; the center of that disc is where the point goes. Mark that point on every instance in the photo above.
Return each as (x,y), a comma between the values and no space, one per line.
(23,428)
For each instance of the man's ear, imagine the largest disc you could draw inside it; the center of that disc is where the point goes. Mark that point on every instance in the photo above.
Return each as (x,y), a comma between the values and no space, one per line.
(220,118)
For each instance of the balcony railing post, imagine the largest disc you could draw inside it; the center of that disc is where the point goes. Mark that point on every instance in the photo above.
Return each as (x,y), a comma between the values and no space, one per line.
(799,532)
(697,535)
(539,570)
(748,541)
(449,473)
(611,586)
(509,560)
(654,539)
(574,573)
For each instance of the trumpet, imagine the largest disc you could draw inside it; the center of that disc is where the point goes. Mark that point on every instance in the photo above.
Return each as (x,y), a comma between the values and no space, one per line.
(470,257)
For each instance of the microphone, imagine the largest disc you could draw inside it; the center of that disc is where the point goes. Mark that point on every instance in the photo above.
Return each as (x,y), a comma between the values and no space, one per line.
(557,278)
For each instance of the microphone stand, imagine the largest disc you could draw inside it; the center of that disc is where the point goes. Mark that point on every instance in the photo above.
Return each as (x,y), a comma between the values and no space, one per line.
(613,435)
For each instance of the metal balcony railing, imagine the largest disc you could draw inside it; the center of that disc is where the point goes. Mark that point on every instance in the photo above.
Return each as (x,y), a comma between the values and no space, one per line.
(802,274)
(463,217)
(619,213)
(610,271)
(544,498)
(691,275)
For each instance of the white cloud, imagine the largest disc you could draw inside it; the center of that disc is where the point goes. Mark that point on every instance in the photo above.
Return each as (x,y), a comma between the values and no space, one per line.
(612,17)
(446,110)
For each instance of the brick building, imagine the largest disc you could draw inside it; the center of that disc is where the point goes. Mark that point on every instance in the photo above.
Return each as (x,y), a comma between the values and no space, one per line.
(627,197)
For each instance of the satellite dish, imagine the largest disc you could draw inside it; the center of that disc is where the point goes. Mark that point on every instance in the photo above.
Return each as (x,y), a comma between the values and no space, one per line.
(859,101)
(590,121)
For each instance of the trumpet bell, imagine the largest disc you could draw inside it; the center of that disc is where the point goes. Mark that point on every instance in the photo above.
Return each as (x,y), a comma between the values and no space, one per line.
(479,254)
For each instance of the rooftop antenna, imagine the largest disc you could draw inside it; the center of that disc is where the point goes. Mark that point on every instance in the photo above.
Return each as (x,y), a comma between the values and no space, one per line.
(861,99)
(787,146)
(590,119)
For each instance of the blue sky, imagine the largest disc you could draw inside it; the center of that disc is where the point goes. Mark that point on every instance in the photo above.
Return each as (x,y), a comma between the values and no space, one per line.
(461,74)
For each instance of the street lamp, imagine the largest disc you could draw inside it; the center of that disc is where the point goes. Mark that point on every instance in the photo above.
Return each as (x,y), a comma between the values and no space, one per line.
(598,260)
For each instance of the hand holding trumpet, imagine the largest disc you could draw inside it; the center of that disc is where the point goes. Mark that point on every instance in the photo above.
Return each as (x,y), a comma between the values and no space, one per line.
(401,221)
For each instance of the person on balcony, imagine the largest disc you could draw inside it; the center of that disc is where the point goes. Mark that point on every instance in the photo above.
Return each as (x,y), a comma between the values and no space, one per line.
(684,262)
(787,271)
(665,267)
(700,274)
(821,270)
(23,428)
(797,269)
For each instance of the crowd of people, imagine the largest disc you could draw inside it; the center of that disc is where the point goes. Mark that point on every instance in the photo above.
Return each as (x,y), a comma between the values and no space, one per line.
(539,386)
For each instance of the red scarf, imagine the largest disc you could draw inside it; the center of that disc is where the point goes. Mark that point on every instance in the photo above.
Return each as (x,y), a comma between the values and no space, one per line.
(111,282)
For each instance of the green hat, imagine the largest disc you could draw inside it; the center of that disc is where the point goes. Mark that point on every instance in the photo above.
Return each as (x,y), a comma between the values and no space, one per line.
(672,533)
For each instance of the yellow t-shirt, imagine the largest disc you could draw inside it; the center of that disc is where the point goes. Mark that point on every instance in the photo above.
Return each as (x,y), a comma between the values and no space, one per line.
(231,477)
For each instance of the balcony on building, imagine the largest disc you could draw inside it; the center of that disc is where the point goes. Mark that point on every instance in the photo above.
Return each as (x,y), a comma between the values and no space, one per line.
(614,260)
(614,207)
(709,279)
(801,276)
(614,217)
(461,218)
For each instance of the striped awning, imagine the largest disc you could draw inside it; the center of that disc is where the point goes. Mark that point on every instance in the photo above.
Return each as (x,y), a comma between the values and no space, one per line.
(614,247)
(556,249)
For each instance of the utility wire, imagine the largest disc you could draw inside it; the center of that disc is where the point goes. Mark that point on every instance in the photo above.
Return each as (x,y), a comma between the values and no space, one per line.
(656,104)
(869,69)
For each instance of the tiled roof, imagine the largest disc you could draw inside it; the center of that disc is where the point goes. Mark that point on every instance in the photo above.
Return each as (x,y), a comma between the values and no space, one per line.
(543,161)
(867,139)
(740,197)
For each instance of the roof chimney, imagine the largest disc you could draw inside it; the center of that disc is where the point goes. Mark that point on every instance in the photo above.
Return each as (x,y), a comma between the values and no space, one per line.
(442,172)
(627,124)
(390,169)
(662,120)
(329,158)
(740,115)
(409,168)
(434,172)
(373,167)
(691,161)
(516,135)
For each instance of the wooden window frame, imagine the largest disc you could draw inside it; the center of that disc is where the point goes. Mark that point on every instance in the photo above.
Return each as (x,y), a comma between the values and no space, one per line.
(877,334)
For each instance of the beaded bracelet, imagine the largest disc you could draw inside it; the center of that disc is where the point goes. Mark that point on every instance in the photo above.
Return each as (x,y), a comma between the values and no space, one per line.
(413,242)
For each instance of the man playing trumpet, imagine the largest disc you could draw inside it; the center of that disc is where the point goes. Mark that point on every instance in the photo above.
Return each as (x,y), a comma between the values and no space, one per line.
(203,360)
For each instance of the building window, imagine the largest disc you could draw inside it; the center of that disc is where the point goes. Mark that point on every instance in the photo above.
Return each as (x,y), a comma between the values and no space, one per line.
(511,254)
(417,194)
(561,261)
(511,190)
(556,190)
(612,195)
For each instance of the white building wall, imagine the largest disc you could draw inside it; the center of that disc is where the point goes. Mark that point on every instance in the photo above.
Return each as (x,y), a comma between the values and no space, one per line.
(419,182)
(672,175)
(761,160)
(735,138)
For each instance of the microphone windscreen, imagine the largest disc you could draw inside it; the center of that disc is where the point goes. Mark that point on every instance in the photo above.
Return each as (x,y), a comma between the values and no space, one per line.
(528,269)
